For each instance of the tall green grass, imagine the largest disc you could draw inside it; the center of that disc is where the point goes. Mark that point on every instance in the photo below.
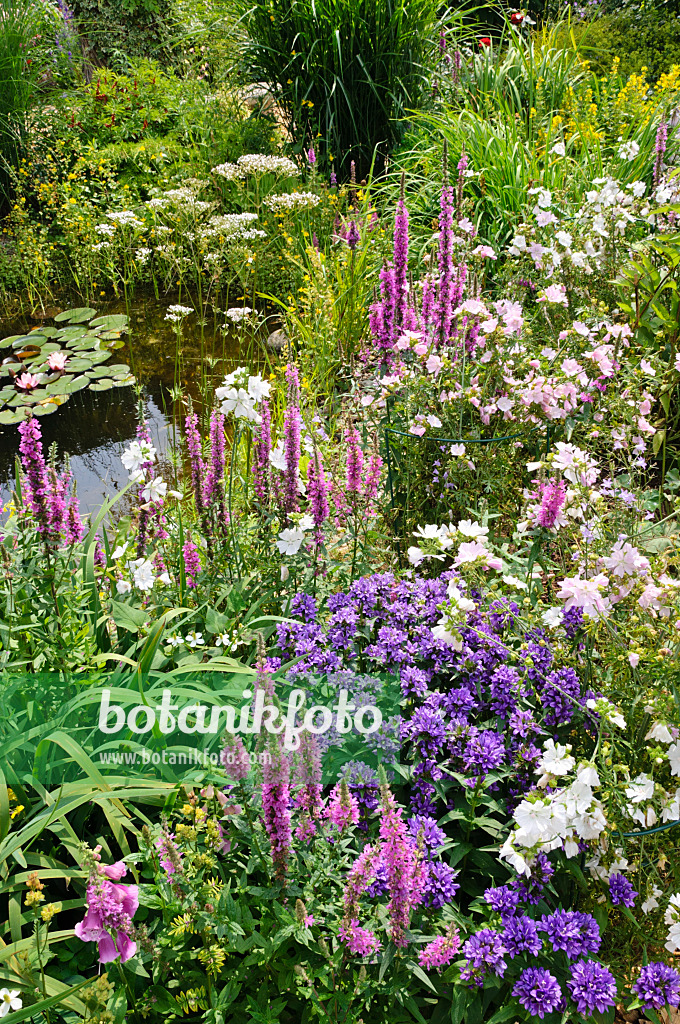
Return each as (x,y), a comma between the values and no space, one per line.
(343,70)
(21,23)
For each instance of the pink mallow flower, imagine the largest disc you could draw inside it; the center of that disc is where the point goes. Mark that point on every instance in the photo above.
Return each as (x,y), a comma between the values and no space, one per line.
(57,360)
(110,909)
(585,594)
(27,381)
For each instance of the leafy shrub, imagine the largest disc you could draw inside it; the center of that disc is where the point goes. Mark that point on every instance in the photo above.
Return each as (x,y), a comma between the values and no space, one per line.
(650,39)
(117,29)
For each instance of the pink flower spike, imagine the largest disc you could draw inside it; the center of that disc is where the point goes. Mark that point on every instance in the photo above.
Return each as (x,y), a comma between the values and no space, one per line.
(57,360)
(27,381)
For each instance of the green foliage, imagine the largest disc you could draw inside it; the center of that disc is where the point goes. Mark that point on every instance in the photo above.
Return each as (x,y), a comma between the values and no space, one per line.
(639,38)
(344,72)
(119,29)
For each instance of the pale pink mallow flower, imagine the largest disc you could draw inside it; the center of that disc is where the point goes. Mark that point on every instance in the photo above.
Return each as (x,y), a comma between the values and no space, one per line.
(585,594)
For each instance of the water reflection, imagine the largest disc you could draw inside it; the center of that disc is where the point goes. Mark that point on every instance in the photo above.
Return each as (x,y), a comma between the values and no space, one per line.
(95,427)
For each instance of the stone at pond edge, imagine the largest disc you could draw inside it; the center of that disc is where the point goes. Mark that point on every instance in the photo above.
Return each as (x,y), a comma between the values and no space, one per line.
(277,341)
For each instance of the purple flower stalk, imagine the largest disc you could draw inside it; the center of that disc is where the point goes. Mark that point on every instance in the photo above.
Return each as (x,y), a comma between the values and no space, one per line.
(234,758)
(445,260)
(192,562)
(353,236)
(441,952)
(360,941)
(400,269)
(214,486)
(311,156)
(275,800)
(196,459)
(660,148)
(262,447)
(308,796)
(291,434)
(360,876)
(169,855)
(318,495)
(355,460)
(404,867)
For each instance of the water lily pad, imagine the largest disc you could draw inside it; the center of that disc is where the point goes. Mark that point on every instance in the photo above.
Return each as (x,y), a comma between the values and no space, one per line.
(51,346)
(123,381)
(39,394)
(49,332)
(109,335)
(99,357)
(44,410)
(78,383)
(19,400)
(12,338)
(6,393)
(79,363)
(83,345)
(112,322)
(99,371)
(75,316)
(8,416)
(57,400)
(57,387)
(10,365)
(101,385)
(27,354)
(117,344)
(70,333)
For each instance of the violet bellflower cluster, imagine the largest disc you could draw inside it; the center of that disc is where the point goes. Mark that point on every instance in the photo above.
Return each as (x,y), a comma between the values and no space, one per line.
(440,726)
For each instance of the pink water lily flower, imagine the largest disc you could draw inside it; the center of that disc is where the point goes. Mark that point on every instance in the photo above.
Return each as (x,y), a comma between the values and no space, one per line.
(27,381)
(110,909)
(57,360)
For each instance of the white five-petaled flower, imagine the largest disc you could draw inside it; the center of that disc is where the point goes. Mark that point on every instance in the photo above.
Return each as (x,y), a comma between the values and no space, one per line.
(194,639)
(137,455)
(155,490)
(142,573)
(289,541)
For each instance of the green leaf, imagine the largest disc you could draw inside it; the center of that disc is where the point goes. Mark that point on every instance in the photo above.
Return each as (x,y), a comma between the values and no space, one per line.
(127,616)
(118,1006)
(415,969)
(9,416)
(102,385)
(75,316)
(112,322)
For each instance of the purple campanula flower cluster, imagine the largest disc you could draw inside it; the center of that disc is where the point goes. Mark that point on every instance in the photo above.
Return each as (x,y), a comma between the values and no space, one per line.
(621,891)
(484,952)
(592,987)
(521,936)
(657,986)
(571,930)
(538,991)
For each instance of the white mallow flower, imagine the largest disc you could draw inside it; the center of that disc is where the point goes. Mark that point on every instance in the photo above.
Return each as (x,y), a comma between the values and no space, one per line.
(672,913)
(641,789)
(552,617)
(513,856)
(240,403)
(590,824)
(442,632)
(415,555)
(123,587)
(661,733)
(652,901)
(258,388)
(556,760)
(629,150)
(139,452)
(539,821)
(470,529)
(289,541)
(142,573)
(277,457)
(464,604)
(306,523)
(674,758)
(155,490)
(164,578)
(120,550)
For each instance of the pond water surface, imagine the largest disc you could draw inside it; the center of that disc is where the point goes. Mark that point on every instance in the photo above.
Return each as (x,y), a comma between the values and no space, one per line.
(94,428)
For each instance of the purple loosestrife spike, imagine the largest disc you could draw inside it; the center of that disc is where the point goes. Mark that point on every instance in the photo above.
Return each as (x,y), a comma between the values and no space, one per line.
(406,875)
(462,167)
(311,156)
(372,479)
(353,172)
(334,179)
(192,562)
(214,486)
(291,434)
(355,460)
(353,236)
(318,495)
(33,464)
(262,449)
(446,285)
(275,800)
(360,876)
(169,854)
(234,758)
(400,269)
(660,148)
(195,458)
